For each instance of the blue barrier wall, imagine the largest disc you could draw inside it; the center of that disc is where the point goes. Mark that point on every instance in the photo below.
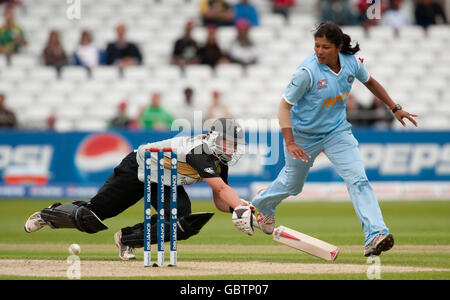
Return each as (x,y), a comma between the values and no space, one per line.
(77,163)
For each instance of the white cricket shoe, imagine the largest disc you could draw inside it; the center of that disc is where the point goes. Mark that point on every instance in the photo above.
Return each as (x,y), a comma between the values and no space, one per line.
(266,222)
(125,252)
(34,223)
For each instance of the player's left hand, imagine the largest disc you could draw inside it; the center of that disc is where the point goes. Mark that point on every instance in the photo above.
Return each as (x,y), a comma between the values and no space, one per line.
(400,114)
(243,218)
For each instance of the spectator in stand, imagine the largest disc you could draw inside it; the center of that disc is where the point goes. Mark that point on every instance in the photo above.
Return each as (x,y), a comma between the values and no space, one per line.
(245,10)
(426,12)
(211,54)
(375,115)
(217,109)
(11,2)
(283,7)
(155,117)
(185,50)
(122,52)
(243,50)
(216,13)
(395,17)
(87,54)
(338,12)
(121,119)
(7,117)
(50,122)
(188,109)
(54,54)
(12,37)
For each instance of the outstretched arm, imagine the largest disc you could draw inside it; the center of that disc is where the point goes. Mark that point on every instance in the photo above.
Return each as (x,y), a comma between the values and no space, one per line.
(224,196)
(378,91)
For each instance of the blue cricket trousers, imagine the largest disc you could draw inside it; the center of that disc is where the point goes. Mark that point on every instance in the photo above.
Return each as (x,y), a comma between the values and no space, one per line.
(341,148)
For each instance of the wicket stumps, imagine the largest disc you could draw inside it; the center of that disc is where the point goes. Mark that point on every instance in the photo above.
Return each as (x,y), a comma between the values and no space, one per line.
(160,222)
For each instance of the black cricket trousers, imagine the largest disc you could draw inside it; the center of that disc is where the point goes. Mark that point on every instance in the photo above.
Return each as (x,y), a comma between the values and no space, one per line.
(123,189)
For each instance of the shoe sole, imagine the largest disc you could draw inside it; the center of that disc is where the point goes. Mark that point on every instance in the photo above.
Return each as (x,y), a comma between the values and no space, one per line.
(385,245)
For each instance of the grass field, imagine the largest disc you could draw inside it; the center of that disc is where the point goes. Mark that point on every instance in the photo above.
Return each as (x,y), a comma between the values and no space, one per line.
(421,230)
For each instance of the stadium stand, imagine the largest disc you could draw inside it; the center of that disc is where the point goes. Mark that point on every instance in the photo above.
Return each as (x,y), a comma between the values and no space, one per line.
(413,66)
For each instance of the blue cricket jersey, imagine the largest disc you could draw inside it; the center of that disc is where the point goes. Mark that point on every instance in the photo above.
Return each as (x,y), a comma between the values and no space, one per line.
(319,95)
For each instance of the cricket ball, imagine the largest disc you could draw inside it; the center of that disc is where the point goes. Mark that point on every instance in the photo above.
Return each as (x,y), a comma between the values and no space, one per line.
(74,249)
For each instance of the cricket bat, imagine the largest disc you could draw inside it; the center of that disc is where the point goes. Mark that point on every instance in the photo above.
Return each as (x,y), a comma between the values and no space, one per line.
(305,243)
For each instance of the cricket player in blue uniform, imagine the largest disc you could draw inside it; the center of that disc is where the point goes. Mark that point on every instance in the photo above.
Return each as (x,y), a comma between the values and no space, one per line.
(312,117)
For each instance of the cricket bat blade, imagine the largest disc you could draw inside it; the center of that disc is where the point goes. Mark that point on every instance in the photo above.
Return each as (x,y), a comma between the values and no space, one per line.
(305,243)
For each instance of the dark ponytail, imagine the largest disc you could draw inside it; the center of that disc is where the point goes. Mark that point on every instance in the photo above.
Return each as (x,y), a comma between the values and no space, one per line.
(334,34)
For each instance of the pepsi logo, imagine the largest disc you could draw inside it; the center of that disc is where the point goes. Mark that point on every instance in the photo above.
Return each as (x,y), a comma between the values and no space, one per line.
(99,153)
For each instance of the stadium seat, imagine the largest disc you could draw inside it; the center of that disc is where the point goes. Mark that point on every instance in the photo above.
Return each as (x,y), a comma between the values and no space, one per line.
(291,34)
(434,84)
(198,72)
(167,72)
(261,35)
(74,73)
(281,48)
(355,32)
(3,63)
(35,115)
(35,87)
(24,61)
(101,111)
(229,71)
(260,72)
(225,36)
(90,125)
(440,71)
(381,33)
(273,21)
(199,34)
(18,101)
(435,122)
(45,74)
(139,35)
(422,58)
(218,85)
(13,74)
(412,67)
(62,125)
(439,32)
(105,73)
(412,33)
(425,96)
(303,22)
(137,73)
(82,99)
(52,101)
(71,112)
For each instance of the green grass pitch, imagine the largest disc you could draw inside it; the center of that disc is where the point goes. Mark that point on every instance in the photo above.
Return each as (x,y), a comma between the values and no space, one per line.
(421,230)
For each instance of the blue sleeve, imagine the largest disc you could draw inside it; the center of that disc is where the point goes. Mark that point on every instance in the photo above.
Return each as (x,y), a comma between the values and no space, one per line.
(298,87)
(362,74)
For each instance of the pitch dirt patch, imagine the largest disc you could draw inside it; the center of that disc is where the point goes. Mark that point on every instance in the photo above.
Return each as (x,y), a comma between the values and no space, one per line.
(117,268)
(229,248)
(91,268)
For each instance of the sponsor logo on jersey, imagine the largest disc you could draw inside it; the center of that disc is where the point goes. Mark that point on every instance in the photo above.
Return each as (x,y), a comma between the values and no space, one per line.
(321,85)
(209,170)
